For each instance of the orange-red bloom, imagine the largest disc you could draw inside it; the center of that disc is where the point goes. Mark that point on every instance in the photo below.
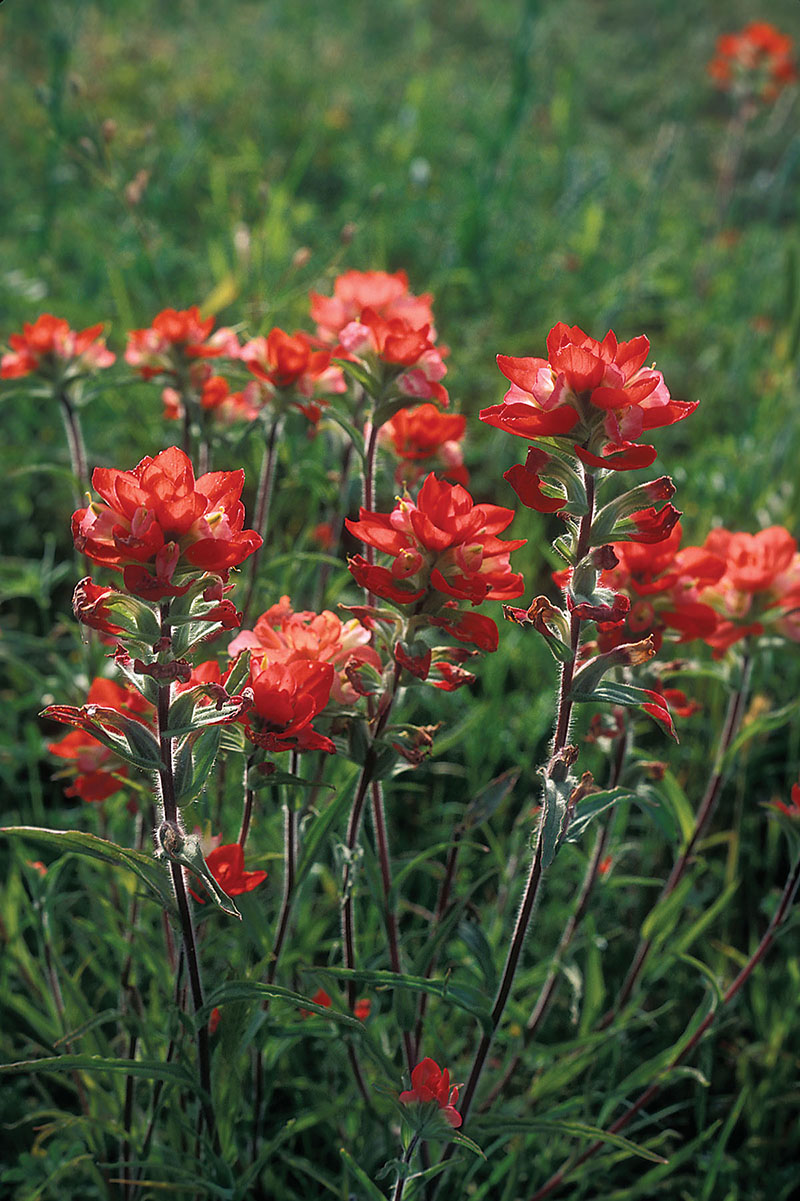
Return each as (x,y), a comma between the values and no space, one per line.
(283,636)
(100,773)
(158,516)
(50,348)
(226,864)
(176,337)
(287,696)
(599,393)
(293,361)
(425,433)
(757,60)
(443,542)
(398,344)
(430,1083)
(354,291)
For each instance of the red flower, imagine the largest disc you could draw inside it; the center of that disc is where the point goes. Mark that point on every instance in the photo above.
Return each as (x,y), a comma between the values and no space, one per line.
(287,696)
(176,337)
(362,1009)
(430,1083)
(757,60)
(100,773)
(399,344)
(159,515)
(444,542)
(49,347)
(89,604)
(600,393)
(293,361)
(424,433)
(226,864)
(354,291)
(792,810)
(320,998)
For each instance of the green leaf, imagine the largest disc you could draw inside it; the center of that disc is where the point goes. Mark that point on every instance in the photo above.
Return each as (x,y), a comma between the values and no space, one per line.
(463,1141)
(78,843)
(470,1000)
(592,806)
(556,794)
(359,373)
(574,1129)
(371,1190)
(661,919)
(472,934)
(489,799)
(194,760)
(318,832)
(150,1069)
(758,726)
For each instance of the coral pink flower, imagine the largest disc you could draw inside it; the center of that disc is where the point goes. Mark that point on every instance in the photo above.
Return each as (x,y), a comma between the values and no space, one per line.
(354,291)
(430,1083)
(287,696)
(283,636)
(425,433)
(100,773)
(51,349)
(757,60)
(443,542)
(599,393)
(159,516)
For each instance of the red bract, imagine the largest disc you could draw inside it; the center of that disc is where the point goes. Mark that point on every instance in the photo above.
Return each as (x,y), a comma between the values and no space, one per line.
(283,636)
(51,349)
(430,1083)
(792,810)
(99,771)
(176,337)
(159,516)
(599,393)
(756,61)
(293,361)
(90,606)
(426,433)
(287,696)
(354,291)
(320,998)
(444,543)
(226,864)
(362,1009)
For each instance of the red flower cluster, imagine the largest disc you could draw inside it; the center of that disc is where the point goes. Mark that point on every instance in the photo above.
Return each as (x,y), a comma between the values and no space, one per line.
(293,361)
(386,295)
(599,393)
(176,337)
(226,864)
(396,343)
(287,696)
(50,348)
(442,544)
(283,636)
(99,771)
(430,1083)
(160,516)
(756,60)
(424,433)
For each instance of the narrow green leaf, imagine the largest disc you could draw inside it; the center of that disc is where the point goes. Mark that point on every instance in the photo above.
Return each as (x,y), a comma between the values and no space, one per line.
(577,1129)
(371,1190)
(470,1000)
(150,1069)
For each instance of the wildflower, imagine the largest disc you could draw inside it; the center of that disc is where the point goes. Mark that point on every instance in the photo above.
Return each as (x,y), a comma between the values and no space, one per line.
(443,543)
(425,433)
(293,361)
(320,998)
(159,516)
(755,61)
(226,864)
(599,393)
(792,810)
(430,1083)
(287,696)
(362,1009)
(176,337)
(51,349)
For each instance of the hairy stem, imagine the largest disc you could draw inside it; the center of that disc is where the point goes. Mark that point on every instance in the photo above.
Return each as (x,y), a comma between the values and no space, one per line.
(266,483)
(77,448)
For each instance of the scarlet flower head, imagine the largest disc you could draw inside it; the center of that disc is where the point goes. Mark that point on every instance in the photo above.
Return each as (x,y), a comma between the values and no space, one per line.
(425,433)
(282,636)
(51,349)
(174,340)
(293,361)
(430,1083)
(443,543)
(396,344)
(756,61)
(791,810)
(600,394)
(226,864)
(287,696)
(320,998)
(759,586)
(387,295)
(100,773)
(158,516)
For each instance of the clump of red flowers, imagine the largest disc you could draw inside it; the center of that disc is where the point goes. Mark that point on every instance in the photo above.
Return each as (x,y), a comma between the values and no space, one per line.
(599,394)
(386,295)
(174,340)
(51,349)
(756,61)
(424,434)
(287,696)
(157,523)
(429,1083)
(442,545)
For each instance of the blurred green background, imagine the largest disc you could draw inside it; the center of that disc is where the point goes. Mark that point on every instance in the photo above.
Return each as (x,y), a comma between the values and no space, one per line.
(527,161)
